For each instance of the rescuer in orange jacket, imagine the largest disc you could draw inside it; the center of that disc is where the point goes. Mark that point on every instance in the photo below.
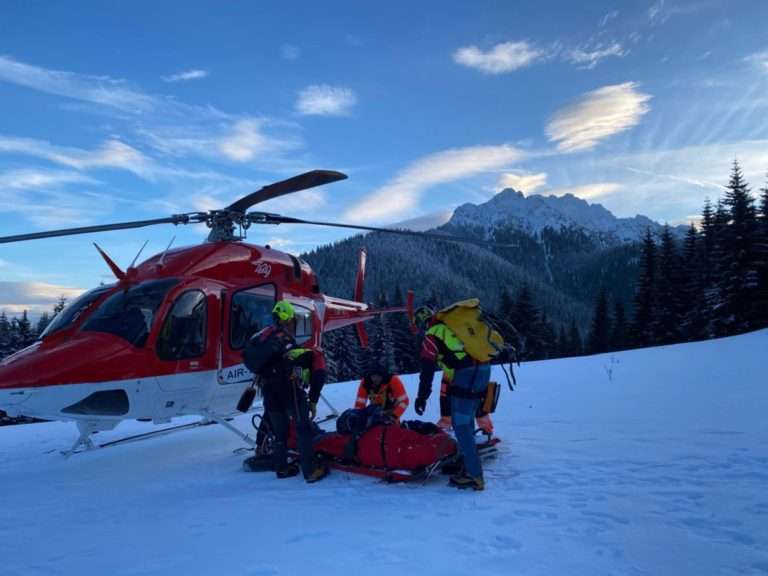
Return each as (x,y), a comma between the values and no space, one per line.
(382,389)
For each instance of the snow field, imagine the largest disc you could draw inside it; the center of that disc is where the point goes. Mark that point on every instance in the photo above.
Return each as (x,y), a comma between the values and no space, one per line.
(644,462)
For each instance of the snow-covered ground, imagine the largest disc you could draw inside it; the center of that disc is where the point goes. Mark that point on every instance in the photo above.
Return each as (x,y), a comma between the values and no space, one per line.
(644,462)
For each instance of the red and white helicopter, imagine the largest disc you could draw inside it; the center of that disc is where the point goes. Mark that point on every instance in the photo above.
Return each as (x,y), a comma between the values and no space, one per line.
(166,339)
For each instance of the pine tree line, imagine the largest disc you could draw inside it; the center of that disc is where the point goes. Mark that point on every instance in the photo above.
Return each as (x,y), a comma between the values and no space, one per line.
(714,284)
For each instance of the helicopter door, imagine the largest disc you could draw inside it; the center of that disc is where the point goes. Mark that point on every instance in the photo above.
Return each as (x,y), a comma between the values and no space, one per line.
(250,311)
(183,345)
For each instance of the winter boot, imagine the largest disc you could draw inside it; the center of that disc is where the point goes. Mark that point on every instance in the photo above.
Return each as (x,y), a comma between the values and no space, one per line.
(485,424)
(320,472)
(464,481)
(288,471)
(259,463)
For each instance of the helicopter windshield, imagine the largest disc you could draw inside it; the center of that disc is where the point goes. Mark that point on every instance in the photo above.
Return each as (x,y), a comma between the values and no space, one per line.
(130,313)
(74,310)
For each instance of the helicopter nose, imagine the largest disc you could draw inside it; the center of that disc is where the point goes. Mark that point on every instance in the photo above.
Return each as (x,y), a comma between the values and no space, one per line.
(87,357)
(14,367)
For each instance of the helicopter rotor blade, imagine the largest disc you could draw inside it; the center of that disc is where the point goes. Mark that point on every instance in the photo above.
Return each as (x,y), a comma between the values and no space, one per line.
(175,219)
(295,184)
(264,218)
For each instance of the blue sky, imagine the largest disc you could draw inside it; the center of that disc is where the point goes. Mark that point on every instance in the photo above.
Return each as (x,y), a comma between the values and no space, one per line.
(139,110)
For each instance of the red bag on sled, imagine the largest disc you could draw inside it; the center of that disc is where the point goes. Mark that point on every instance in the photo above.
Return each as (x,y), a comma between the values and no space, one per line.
(389,447)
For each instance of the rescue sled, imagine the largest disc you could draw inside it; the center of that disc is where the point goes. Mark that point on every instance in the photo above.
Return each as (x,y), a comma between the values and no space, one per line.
(393,452)
(396,453)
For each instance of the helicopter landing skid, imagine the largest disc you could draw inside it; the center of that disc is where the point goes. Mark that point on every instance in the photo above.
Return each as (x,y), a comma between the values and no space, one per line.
(85,444)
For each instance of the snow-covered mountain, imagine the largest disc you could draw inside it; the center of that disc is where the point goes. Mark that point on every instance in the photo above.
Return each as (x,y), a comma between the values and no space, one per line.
(533,214)
(648,462)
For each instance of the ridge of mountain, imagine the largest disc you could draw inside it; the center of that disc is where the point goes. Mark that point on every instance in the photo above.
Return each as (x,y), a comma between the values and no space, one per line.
(511,209)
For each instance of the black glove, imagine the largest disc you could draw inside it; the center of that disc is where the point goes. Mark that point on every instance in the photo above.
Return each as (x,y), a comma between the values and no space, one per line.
(420,406)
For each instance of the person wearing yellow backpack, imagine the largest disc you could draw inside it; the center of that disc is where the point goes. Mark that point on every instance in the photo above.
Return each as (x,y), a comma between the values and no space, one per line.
(443,347)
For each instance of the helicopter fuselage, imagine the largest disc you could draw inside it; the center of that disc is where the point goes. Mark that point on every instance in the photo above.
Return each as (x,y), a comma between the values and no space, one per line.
(166,339)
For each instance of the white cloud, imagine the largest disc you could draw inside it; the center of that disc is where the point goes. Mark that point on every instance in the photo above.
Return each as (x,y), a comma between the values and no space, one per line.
(29,179)
(112,154)
(299,202)
(504,57)
(613,14)
(666,184)
(279,243)
(100,90)
(194,74)
(290,52)
(759,59)
(401,195)
(425,222)
(588,191)
(588,58)
(656,12)
(246,141)
(705,168)
(35,297)
(325,100)
(596,116)
(171,127)
(527,183)
(42,197)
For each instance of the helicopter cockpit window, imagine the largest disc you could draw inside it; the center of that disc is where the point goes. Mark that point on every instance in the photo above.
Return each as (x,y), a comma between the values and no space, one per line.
(303,327)
(75,310)
(130,313)
(251,311)
(184,330)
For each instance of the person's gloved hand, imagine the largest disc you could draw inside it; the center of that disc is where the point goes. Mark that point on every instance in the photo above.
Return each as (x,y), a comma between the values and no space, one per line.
(313,410)
(420,406)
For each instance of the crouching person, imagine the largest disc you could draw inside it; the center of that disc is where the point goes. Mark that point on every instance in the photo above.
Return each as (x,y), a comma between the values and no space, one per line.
(380,388)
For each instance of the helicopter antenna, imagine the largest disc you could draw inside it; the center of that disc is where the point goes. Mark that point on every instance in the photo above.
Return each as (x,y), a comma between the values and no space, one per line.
(139,253)
(162,256)
(119,274)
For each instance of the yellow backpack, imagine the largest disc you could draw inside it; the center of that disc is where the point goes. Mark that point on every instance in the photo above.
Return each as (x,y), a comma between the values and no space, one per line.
(480,339)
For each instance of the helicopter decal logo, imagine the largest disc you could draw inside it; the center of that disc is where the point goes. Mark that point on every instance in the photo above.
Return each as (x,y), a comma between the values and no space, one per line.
(264,268)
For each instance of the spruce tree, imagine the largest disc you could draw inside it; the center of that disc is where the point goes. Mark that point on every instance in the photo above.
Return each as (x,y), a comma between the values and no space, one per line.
(761,304)
(5,335)
(526,320)
(574,340)
(60,305)
(548,338)
(668,291)
(619,336)
(708,241)
(644,322)
(693,282)
(42,323)
(599,333)
(718,262)
(505,314)
(405,341)
(739,284)
(23,331)
(563,345)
